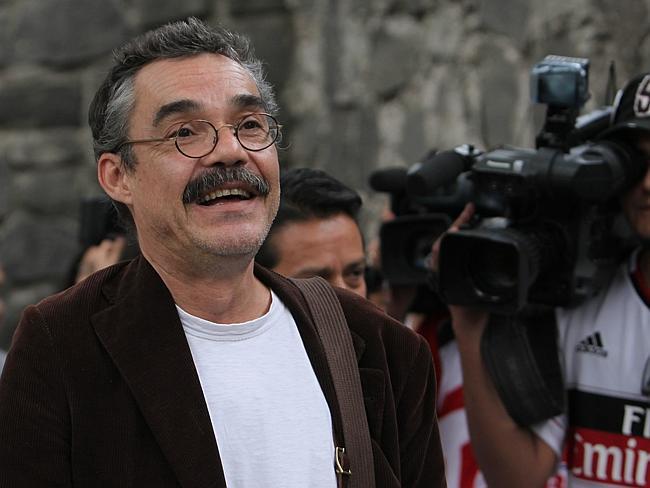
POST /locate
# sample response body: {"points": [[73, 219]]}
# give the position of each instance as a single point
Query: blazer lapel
{"points": [[143, 335]]}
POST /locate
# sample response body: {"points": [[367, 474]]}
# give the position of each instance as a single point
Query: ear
{"points": [[114, 178]]}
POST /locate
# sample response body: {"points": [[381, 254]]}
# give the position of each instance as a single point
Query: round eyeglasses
{"points": [[198, 138]]}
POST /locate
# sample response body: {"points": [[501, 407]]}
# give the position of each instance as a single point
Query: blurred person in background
{"points": [[109, 251], [316, 232], [104, 237]]}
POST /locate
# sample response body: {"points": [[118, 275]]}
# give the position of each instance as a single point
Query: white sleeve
{"points": [[552, 432]]}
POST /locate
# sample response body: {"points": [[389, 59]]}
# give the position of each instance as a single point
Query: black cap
{"points": [[631, 108]]}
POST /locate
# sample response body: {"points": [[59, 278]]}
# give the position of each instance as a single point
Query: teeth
{"points": [[224, 193]]}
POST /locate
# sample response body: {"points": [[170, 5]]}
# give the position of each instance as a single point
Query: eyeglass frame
{"points": [[235, 128]]}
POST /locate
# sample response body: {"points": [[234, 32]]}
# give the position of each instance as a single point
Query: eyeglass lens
{"points": [[197, 138]]}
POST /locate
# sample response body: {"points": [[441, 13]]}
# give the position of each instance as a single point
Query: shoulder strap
{"points": [[334, 334]]}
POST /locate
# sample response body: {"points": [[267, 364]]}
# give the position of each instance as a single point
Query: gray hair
{"points": [[112, 105]]}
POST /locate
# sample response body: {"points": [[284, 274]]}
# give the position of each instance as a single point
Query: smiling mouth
{"points": [[228, 194], [219, 185]]}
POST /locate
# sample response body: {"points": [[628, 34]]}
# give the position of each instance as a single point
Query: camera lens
{"points": [[492, 267]]}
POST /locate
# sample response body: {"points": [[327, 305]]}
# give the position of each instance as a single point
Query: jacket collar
{"points": [[143, 335]]}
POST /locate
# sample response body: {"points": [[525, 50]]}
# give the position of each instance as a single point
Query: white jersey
{"points": [[605, 348], [270, 417], [461, 467]]}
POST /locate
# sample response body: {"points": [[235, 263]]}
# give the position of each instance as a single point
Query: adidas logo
{"points": [[593, 344]]}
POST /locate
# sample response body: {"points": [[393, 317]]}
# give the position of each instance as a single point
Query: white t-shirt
{"points": [[270, 417], [605, 347]]}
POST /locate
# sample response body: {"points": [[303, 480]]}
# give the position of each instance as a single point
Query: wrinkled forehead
{"points": [[203, 82]]}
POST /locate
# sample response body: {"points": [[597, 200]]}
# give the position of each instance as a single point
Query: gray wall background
{"points": [[363, 84]]}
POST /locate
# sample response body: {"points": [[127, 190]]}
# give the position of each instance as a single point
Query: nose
{"points": [[227, 150]]}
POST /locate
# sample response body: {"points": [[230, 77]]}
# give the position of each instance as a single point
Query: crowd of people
{"points": [[195, 360]]}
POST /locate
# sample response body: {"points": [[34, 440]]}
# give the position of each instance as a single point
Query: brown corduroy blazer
{"points": [[99, 390]]}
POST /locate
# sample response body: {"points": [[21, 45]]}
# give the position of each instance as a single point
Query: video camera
{"points": [[543, 226]]}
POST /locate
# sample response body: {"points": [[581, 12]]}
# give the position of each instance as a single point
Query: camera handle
{"points": [[520, 353]]}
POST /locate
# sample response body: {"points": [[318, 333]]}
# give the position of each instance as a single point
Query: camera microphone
{"points": [[438, 169], [389, 180]]}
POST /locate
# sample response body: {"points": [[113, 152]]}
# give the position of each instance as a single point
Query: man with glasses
{"points": [[189, 366]]}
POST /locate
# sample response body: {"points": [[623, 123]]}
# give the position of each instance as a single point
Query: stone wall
{"points": [[363, 84]]}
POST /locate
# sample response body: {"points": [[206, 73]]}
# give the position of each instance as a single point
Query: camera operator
{"points": [[604, 347]]}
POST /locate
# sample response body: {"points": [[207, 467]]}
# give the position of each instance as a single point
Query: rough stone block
{"points": [[67, 32], [273, 40], [414, 6], [396, 58], [449, 97], [415, 142], [353, 146], [563, 28], [5, 36], [444, 32], [43, 149], [40, 100], [254, 7], [37, 249], [156, 12], [304, 142], [499, 93], [626, 40], [509, 17], [49, 191]]}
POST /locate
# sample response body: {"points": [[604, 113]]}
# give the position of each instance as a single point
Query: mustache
{"points": [[218, 176]]}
